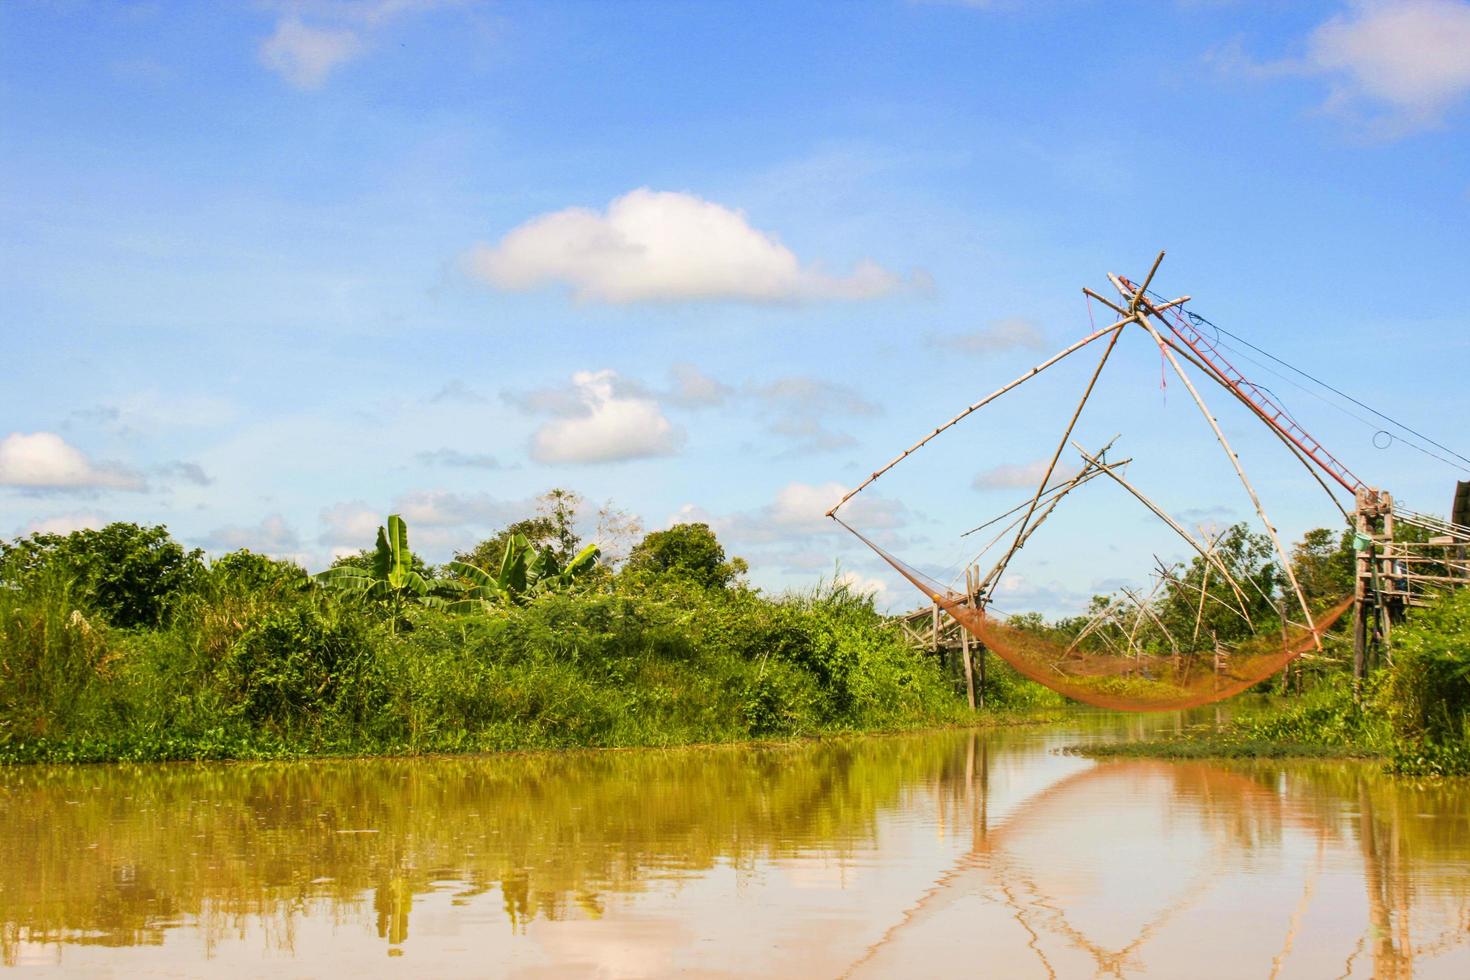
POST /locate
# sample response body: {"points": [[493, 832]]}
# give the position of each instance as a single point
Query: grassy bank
{"points": [[137, 650], [1413, 713]]}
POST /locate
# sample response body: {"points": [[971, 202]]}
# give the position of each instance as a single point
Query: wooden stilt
{"points": [[965, 641]]}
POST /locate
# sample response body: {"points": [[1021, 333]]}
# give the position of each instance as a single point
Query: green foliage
{"points": [[554, 528], [1427, 688], [525, 572], [686, 551], [128, 574], [254, 662], [392, 582], [1324, 569], [302, 664]]}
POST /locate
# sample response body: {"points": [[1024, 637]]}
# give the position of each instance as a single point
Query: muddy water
{"points": [[936, 855]]}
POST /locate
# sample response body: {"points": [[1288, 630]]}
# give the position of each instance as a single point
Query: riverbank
{"points": [[117, 645]]}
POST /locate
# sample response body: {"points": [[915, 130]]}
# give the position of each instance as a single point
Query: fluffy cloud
{"points": [[661, 246], [441, 508], [600, 420], [45, 461], [439, 521], [799, 510], [272, 536], [865, 585], [1413, 55], [1027, 476], [1408, 58], [304, 56], [349, 526], [799, 408], [66, 523], [692, 388], [1015, 333]]}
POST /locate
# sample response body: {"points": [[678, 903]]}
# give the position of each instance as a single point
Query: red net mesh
{"points": [[1130, 681]]}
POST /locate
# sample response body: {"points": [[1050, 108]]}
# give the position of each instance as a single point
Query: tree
{"points": [[686, 551], [392, 581], [1324, 568], [1249, 559], [131, 575], [524, 572], [554, 527]]}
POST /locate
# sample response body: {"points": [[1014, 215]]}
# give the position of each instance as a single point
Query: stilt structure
{"points": [[1402, 558]]}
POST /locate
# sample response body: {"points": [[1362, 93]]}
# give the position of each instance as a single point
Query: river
{"points": [[942, 854]]}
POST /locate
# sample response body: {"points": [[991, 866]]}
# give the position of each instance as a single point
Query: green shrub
{"points": [[301, 663], [128, 574]]}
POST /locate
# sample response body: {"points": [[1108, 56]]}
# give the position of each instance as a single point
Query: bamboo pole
{"points": [[1063, 485], [1025, 535], [965, 644], [1061, 445], [1211, 373], [1178, 528], [1239, 470], [1195, 588], [1074, 348], [1148, 609]]}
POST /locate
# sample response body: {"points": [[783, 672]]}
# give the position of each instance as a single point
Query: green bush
{"points": [[300, 664], [128, 574]]}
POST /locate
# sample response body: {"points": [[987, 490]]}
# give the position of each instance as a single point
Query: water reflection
{"points": [[862, 857]]}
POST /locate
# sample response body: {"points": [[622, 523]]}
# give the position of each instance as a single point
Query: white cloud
{"points": [[1408, 58], [799, 510], [1413, 55], [603, 421], [350, 525], [692, 388], [85, 520], [799, 407], [442, 508], [1020, 475], [304, 56], [272, 536], [1014, 333], [45, 461], [865, 585], [662, 246]]}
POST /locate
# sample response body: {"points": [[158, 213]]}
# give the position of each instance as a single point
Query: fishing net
{"points": [[1123, 654], [1129, 680]]}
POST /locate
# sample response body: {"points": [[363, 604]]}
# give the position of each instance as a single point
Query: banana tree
{"points": [[524, 573], [392, 579]]}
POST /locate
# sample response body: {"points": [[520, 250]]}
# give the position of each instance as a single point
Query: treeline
{"points": [[120, 643]]}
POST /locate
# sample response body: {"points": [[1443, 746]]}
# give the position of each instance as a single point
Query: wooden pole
{"points": [[965, 642], [1061, 445], [1363, 571], [1239, 471], [1168, 573], [1211, 373], [1074, 348], [988, 582], [1208, 556]]}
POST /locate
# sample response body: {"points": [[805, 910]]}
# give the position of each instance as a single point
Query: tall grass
{"points": [[250, 664]]}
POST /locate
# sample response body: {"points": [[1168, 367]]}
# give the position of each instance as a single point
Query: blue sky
{"points": [[269, 271]]}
